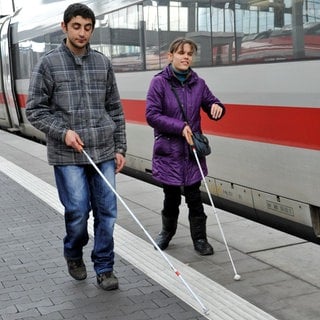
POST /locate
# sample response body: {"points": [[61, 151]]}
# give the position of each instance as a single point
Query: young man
{"points": [[73, 98], [173, 164]]}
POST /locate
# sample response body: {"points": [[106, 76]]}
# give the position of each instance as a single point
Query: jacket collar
{"points": [[77, 59], [168, 74]]}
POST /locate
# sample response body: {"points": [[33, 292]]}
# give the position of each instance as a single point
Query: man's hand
{"points": [[73, 140], [120, 162]]}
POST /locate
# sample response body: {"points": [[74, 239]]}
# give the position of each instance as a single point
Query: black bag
{"points": [[201, 144]]}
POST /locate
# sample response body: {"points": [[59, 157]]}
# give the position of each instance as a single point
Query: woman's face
{"points": [[182, 59]]}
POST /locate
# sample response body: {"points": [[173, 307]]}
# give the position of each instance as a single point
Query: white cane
{"points": [[236, 275], [204, 309]]}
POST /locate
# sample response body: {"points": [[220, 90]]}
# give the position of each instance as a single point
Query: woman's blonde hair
{"points": [[177, 43]]}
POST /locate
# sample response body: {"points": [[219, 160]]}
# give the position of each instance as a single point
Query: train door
{"points": [[9, 112]]}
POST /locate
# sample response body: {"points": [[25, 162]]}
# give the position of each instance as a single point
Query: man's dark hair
{"points": [[78, 9]]}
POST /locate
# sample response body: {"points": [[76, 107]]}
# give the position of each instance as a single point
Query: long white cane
{"points": [[236, 275], [204, 309]]}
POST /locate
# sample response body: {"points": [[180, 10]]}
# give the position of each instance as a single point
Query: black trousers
{"points": [[172, 201], [170, 212]]}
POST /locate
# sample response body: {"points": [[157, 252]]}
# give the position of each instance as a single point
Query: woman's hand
{"points": [[216, 111], [187, 133]]}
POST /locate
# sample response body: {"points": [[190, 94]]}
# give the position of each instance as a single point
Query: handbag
{"points": [[200, 141], [201, 144]]}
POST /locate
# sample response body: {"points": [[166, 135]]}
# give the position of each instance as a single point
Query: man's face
{"points": [[78, 31]]}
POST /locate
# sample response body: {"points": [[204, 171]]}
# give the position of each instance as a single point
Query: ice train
{"points": [[265, 163]]}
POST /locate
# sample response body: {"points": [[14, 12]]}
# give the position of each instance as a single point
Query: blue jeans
{"points": [[81, 189]]}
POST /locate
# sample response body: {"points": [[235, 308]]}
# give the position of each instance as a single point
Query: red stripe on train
{"points": [[289, 126], [2, 101]]}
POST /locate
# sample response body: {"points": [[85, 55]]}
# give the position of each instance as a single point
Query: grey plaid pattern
{"points": [[81, 94]]}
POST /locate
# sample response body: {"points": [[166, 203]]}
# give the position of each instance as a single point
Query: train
{"points": [[265, 160]]}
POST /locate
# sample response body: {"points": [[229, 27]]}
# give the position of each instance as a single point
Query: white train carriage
{"points": [[260, 59]]}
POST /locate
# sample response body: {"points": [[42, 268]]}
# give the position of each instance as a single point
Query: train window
{"points": [[227, 32], [232, 32], [271, 31], [178, 10], [53, 39], [117, 35], [26, 54]]}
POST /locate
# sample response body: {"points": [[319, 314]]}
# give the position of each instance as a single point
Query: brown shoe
{"points": [[77, 269], [107, 281]]}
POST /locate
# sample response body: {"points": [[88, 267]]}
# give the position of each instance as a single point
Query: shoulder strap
{"points": [[179, 102]]}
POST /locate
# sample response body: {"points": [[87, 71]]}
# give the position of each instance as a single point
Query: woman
{"points": [[173, 164]]}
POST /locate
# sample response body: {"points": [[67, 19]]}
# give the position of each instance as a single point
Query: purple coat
{"points": [[173, 163]]}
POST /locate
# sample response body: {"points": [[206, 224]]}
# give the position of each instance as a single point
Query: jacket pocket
{"points": [[162, 145]]}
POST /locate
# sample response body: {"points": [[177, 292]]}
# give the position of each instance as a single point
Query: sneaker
{"points": [[203, 247], [107, 281], [77, 269]]}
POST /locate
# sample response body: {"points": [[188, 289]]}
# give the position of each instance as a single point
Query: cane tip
{"points": [[237, 277]]}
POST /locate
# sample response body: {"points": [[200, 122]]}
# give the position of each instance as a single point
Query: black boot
{"points": [[203, 247], [169, 227], [163, 239], [199, 236]]}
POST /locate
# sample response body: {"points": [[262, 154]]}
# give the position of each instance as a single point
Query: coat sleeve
{"points": [[208, 100], [114, 108], [38, 110]]}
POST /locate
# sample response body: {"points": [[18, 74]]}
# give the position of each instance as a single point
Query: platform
{"points": [[279, 272]]}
